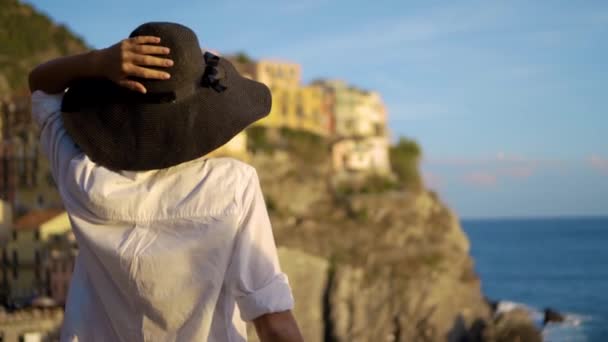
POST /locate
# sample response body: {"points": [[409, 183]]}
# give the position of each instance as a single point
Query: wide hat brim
{"points": [[122, 130]]}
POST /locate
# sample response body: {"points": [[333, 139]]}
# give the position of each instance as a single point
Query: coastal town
{"points": [[38, 247]]}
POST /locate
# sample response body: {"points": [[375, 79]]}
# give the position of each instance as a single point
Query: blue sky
{"points": [[507, 98]]}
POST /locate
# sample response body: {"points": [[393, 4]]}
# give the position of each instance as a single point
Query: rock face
{"points": [[398, 262], [308, 278], [553, 316], [515, 325]]}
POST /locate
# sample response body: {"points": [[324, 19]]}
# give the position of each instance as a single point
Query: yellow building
{"points": [[22, 273], [276, 74], [293, 105], [310, 111], [283, 110]]}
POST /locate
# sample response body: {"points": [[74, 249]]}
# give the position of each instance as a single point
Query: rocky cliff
{"points": [[393, 265]]}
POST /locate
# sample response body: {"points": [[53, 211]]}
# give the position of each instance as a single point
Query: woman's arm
{"points": [[126, 58], [278, 327]]}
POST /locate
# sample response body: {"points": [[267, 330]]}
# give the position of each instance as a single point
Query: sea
{"points": [[558, 263]]}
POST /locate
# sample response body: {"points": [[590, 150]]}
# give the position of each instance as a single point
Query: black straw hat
{"points": [[204, 105]]}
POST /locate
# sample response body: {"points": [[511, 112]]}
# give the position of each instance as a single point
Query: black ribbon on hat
{"points": [[212, 74]]}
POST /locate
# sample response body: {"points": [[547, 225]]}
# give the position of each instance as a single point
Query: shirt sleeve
{"points": [[55, 143], [254, 275]]}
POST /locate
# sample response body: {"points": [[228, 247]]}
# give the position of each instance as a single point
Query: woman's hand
{"points": [[132, 57]]}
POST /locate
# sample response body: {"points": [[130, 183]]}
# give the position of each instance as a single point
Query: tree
{"points": [[405, 159]]}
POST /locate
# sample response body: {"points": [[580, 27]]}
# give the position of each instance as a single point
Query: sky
{"points": [[508, 99]]}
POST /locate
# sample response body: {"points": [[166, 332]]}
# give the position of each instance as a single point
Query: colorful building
{"points": [[311, 111], [361, 155], [278, 74], [361, 140], [23, 272], [31, 325], [357, 112], [293, 105], [60, 258]]}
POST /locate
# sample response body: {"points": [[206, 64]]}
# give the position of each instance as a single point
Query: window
{"points": [[379, 129], [349, 124], [284, 108], [15, 264], [37, 265]]}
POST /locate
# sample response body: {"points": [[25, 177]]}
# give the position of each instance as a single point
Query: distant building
{"points": [[60, 258], [276, 74], [370, 116], [294, 106], [23, 170], [361, 141], [328, 104], [357, 112], [8, 172], [361, 155], [31, 325], [283, 80], [311, 113], [23, 273]]}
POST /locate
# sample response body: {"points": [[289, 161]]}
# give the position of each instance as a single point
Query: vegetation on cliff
{"points": [[405, 157], [28, 38]]}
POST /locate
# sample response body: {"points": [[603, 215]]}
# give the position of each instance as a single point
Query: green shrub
{"points": [[305, 146], [371, 184], [405, 157], [257, 139], [375, 183], [242, 57]]}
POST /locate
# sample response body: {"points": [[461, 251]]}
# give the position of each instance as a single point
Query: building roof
{"points": [[36, 218]]}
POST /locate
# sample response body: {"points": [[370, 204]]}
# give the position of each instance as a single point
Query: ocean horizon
{"points": [[546, 262]]}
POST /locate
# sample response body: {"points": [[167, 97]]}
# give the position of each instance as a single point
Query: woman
{"points": [[172, 246]]}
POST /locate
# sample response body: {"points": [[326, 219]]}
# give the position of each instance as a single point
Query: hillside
{"points": [[373, 263], [27, 38]]}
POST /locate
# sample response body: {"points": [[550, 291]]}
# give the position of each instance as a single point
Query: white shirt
{"points": [[165, 255]]}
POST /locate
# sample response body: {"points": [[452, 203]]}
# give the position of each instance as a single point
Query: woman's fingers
{"points": [[150, 50], [145, 40], [137, 55], [138, 71], [151, 61], [133, 85]]}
